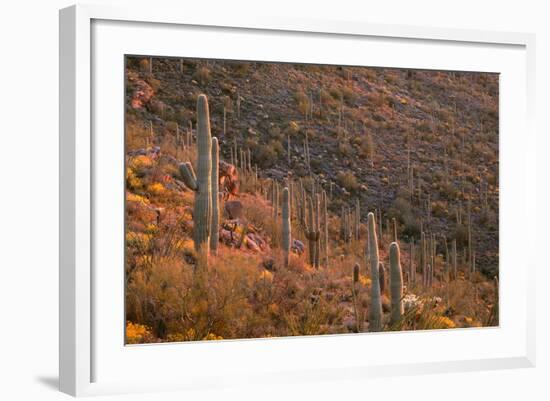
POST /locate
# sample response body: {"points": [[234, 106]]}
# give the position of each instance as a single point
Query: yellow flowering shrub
{"points": [[266, 275], [156, 189], [364, 280], [211, 337], [141, 162], [131, 197], [136, 239], [445, 323], [138, 333], [132, 180]]}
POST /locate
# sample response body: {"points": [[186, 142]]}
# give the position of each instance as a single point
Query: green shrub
{"points": [[347, 180]]}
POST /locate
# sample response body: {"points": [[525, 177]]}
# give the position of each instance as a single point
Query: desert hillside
{"points": [[418, 149]]}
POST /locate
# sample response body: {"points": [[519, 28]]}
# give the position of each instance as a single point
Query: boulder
{"points": [[297, 246], [229, 180], [233, 209], [251, 244], [143, 92], [257, 240]]}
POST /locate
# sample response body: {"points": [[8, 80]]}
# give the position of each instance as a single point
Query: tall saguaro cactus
{"points": [[396, 284], [202, 182], [324, 222], [375, 310], [454, 260], [316, 199], [423, 261], [412, 269], [286, 224], [215, 223]]}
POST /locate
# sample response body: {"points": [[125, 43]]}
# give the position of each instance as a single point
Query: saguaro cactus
{"points": [[286, 224], [394, 227], [357, 219], [423, 261], [215, 223], [396, 284], [312, 232], [454, 259], [324, 222], [412, 269], [375, 310], [202, 182], [355, 297], [318, 230]]}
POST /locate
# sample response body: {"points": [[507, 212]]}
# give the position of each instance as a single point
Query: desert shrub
{"points": [[423, 315], [184, 115], [138, 334], [376, 99], [144, 65], [327, 99], [202, 75], [155, 83], [365, 145], [335, 93], [269, 153], [241, 68], [308, 318], [389, 78], [447, 190], [461, 234], [345, 149], [292, 128], [277, 146], [439, 209], [423, 126], [275, 132], [402, 211], [157, 107], [349, 95], [140, 164], [348, 180], [302, 101]]}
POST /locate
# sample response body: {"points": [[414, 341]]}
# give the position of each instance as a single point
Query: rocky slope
{"points": [[365, 128]]}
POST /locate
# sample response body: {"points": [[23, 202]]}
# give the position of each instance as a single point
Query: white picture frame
{"points": [[91, 361]]}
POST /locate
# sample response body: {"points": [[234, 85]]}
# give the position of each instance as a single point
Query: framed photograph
{"points": [[273, 200]]}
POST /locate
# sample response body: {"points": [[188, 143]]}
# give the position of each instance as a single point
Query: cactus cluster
{"points": [[350, 223], [311, 212], [312, 230]]}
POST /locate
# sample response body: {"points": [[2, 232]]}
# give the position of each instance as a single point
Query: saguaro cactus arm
{"points": [[188, 175]]}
